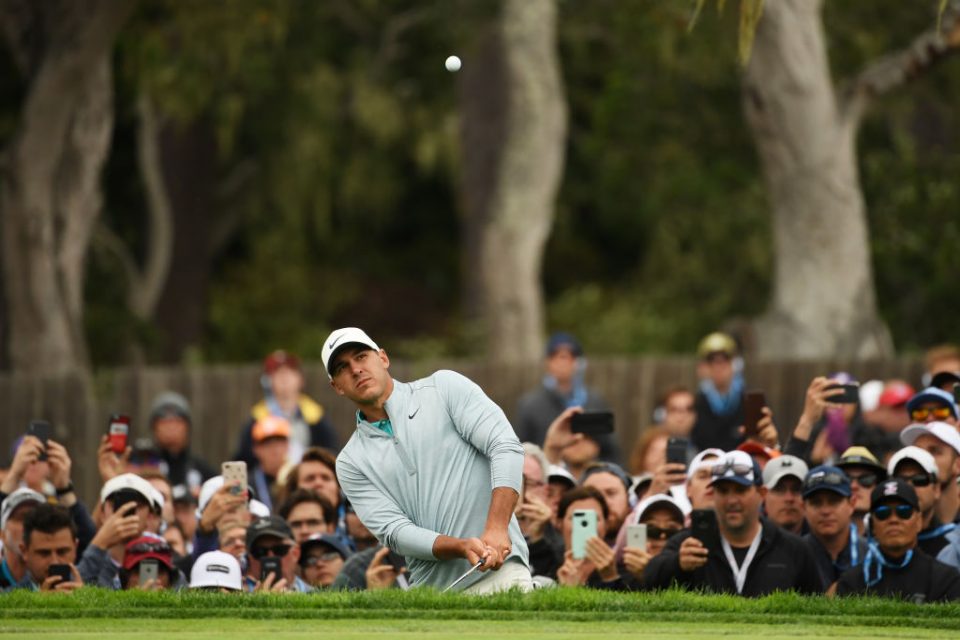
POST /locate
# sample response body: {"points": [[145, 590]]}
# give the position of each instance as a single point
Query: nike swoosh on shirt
{"points": [[410, 417]]}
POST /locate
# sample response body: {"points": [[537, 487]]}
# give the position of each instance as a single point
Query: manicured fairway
{"points": [[150, 629], [426, 615]]}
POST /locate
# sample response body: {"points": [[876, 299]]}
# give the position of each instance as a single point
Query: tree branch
{"points": [[897, 68]]}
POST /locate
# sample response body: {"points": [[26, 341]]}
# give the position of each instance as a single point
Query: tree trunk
{"points": [[513, 138], [50, 195], [824, 301]]}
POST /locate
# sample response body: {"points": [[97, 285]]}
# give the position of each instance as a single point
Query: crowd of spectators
{"points": [[860, 496]]}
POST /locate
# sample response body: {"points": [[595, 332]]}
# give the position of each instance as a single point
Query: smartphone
{"points": [[753, 403], [637, 536], [850, 393], [149, 570], [396, 560], [118, 432], [584, 528], [40, 429], [677, 450], [596, 423], [268, 565], [703, 525], [235, 472], [62, 570]]}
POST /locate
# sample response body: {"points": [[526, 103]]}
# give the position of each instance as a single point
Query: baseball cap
{"points": [[607, 467], [739, 467], [216, 569], [918, 455], [563, 339], [169, 403], [860, 457], [21, 496], [941, 430], [944, 378], [558, 473], [933, 394], [870, 392], [659, 500], [781, 467], [146, 547], [896, 393], [324, 539], [717, 342], [270, 426], [341, 338], [280, 358], [894, 488], [129, 482], [268, 526], [700, 460], [827, 478]]}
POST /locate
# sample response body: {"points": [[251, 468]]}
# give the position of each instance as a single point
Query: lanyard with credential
{"points": [[854, 543], [740, 573]]}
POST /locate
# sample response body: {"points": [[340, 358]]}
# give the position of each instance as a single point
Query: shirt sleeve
{"points": [[383, 516], [483, 424]]}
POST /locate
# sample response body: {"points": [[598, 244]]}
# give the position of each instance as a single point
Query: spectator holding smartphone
{"points": [[272, 557], [50, 543], [598, 568], [14, 510], [663, 518], [753, 557], [155, 553]]}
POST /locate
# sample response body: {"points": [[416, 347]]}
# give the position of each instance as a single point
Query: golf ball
{"points": [[452, 63]]}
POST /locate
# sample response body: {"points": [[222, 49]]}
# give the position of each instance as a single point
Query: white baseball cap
{"points": [[781, 467], [210, 487], [700, 460], [341, 338], [944, 432], [216, 569], [21, 496], [130, 482], [918, 455], [659, 499]]}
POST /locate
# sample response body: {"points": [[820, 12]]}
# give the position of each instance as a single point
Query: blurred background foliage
{"points": [[337, 147]]}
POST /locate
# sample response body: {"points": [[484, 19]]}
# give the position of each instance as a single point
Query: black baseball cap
{"points": [[268, 526], [894, 488]]}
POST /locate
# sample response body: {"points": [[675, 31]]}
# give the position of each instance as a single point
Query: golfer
{"points": [[433, 469]]}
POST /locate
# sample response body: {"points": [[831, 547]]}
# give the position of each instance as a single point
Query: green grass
{"points": [[578, 613]]}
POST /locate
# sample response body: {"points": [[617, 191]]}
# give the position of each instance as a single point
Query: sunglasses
{"points": [[904, 511], [865, 480], [832, 479], [657, 533], [737, 468], [150, 547], [312, 561], [922, 413], [277, 551], [918, 480]]}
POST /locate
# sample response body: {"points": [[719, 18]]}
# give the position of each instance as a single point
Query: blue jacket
{"points": [[451, 447]]}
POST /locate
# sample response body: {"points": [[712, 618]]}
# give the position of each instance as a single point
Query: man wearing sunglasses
{"points": [[918, 468], [933, 405], [268, 539], [864, 471], [894, 566], [942, 441], [828, 506], [747, 556], [433, 469]]}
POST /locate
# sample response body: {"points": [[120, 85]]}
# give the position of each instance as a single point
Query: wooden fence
{"points": [[221, 397]]}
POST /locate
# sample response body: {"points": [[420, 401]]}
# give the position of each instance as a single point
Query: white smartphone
{"points": [[637, 536], [235, 472], [584, 528], [149, 570]]}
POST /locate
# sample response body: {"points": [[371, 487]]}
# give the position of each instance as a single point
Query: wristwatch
{"points": [[67, 489]]}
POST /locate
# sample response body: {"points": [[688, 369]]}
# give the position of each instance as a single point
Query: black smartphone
{"points": [[269, 565], [753, 403], [595, 423], [396, 560], [62, 570], [703, 526], [40, 429], [677, 451], [850, 393]]}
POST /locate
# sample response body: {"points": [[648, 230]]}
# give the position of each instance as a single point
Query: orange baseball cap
{"points": [[270, 427]]}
